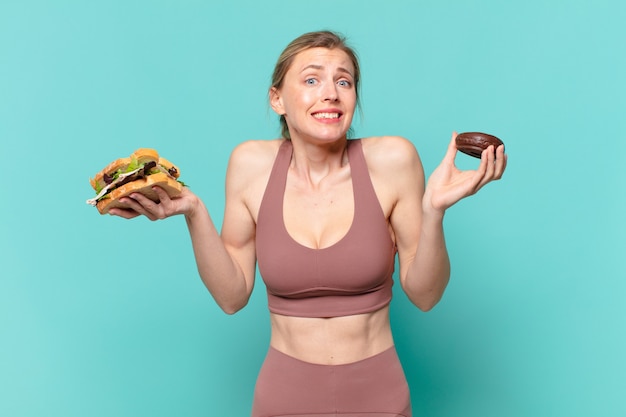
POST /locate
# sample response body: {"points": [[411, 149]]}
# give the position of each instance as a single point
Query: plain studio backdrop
{"points": [[105, 317]]}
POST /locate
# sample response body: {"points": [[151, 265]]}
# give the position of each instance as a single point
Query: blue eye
{"points": [[310, 81], [344, 83]]}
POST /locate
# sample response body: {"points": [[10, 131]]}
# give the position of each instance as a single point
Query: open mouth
{"points": [[327, 115]]}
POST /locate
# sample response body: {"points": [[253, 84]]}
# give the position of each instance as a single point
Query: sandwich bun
{"points": [[139, 173], [142, 186]]}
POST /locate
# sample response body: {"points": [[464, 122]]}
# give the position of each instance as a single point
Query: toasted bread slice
{"points": [[139, 157], [170, 167], [144, 186]]}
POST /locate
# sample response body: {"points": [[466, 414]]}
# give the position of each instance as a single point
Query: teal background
{"points": [[105, 317]]}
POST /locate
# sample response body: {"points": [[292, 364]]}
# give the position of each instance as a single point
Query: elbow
{"points": [[425, 300], [233, 307], [230, 311], [425, 297], [230, 301], [426, 306]]}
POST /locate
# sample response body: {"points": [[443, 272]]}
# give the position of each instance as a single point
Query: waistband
{"points": [[381, 356]]}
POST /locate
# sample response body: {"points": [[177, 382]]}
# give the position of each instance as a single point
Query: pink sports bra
{"points": [[353, 276]]}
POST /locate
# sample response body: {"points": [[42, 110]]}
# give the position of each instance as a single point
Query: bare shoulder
{"points": [[248, 172], [391, 154], [252, 159], [254, 154], [395, 169]]}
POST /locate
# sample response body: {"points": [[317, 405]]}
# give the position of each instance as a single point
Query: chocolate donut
{"points": [[474, 143]]}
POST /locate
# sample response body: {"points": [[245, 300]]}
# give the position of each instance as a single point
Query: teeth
{"points": [[326, 115]]}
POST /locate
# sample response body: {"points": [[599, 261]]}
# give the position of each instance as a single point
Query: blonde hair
{"points": [[320, 39]]}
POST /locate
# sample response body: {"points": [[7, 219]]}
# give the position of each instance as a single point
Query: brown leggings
{"points": [[372, 387]]}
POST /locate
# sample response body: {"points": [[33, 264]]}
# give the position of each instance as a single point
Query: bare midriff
{"points": [[332, 341]]}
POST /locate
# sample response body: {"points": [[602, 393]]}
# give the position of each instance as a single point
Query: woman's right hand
{"points": [[186, 203], [448, 184]]}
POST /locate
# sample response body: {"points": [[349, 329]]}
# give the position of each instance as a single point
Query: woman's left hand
{"points": [[447, 184], [138, 205]]}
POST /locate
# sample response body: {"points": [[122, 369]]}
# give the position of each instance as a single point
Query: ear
{"points": [[276, 101]]}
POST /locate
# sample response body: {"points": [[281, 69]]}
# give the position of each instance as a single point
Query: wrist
{"points": [[431, 214], [194, 207]]}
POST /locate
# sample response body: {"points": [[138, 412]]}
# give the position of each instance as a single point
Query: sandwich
{"points": [[139, 173]]}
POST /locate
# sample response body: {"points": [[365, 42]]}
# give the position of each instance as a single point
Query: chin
{"points": [[333, 135]]}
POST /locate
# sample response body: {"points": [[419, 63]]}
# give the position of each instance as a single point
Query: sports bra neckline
{"points": [[345, 236]]}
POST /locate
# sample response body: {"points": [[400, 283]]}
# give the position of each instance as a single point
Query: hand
{"points": [[447, 184], [139, 205]]}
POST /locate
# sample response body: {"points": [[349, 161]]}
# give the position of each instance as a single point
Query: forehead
{"points": [[322, 57]]}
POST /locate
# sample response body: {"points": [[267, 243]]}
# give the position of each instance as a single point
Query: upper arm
{"points": [[242, 194], [402, 175]]}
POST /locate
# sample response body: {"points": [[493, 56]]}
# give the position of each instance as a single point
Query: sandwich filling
{"points": [[133, 172]]}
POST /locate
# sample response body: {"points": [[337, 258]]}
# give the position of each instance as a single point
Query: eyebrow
{"points": [[320, 67]]}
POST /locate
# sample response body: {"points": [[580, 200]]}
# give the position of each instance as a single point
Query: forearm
{"points": [[218, 270], [428, 274]]}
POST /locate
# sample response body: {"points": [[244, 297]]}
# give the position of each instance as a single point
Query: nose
{"points": [[330, 92]]}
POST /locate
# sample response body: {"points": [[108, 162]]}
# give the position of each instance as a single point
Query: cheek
{"points": [[306, 96], [351, 98], [300, 101]]}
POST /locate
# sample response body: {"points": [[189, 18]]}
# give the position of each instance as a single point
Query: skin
{"points": [[318, 208]]}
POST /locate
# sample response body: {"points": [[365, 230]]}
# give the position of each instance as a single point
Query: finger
{"points": [[166, 206], [501, 161], [485, 170], [164, 197], [491, 159], [141, 204], [496, 163], [452, 150], [124, 213], [142, 199]]}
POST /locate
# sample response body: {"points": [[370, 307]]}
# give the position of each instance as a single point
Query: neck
{"points": [[314, 162]]}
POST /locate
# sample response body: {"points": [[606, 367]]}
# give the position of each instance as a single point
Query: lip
{"points": [[330, 110]]}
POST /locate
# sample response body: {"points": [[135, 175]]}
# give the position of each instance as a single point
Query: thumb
{"points": [[451, 152]]}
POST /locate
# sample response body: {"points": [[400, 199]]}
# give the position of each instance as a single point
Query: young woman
{"points": [[325, 216]]}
